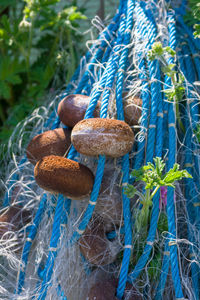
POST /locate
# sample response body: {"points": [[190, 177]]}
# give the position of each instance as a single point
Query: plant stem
{"points": [[154, 192], [144, 214], [176, 100]]}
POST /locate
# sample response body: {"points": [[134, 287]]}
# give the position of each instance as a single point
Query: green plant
{"points": [[154, 177], [39, 44], [176, 92], [193, 16], [197, 132]]}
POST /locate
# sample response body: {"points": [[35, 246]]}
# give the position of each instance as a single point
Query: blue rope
{"points": [[29, 240], [170, 191], [191, 194], [149, 156], [125, 163]]}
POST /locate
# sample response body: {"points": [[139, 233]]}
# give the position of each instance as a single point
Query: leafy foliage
{"points": [[32, 34], [197, 132], [193, 16], [154, 177], [177, 90], [152, 174], [158, 51]]}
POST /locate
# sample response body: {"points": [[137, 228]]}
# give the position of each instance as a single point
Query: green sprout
{"points": [[176, 92], [197, 132], [154, 177]]}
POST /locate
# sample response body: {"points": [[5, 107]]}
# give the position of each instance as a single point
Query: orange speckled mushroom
{"points": [[51, 142], [102, 137], [72, 109], [61, 175]]}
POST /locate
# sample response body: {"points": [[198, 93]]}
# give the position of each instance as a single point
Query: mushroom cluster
{"points": [[59, 175]]}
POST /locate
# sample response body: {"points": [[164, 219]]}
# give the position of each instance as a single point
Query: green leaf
{"points": [[77, 16], [160, 165], [138, 174], [169, 70], [197, 31], [130, 191], [156, 51], [14, 79], [6, 23], [197, 132], [5, 90], [162, 222], [170, 94], [170, 51], [174, 175]]}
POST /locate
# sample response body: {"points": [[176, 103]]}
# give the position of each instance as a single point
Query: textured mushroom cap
{"points": [[51, 142], [72, 109], [102, 137], [61, 175]]}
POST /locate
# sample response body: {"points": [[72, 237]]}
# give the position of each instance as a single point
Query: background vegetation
{"points": [[40, 46], [193, 16]]}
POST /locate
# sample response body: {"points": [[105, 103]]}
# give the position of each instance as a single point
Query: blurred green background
{"points": [[41, 42]]}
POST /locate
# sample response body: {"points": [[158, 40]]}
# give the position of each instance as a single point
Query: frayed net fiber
{"points": [[44, 257]]}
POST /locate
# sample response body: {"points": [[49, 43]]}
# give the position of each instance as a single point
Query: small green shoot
{"points": [[176, 92], [197, 132]]}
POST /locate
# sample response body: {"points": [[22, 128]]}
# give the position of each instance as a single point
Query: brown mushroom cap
{"points": [[102, 137], [61, 175], [72, 109], [51, 142]]}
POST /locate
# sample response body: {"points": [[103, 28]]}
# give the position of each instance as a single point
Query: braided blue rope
{"points": [[52, 248], [170, 191], [125, 163], [106, 37], [149, 156], [189, 31], [29, 240], [93, 198], [192, 198], [189, 194], [113, 67], [154, 74], [106, 81], [192, 147], [145, 96]]}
